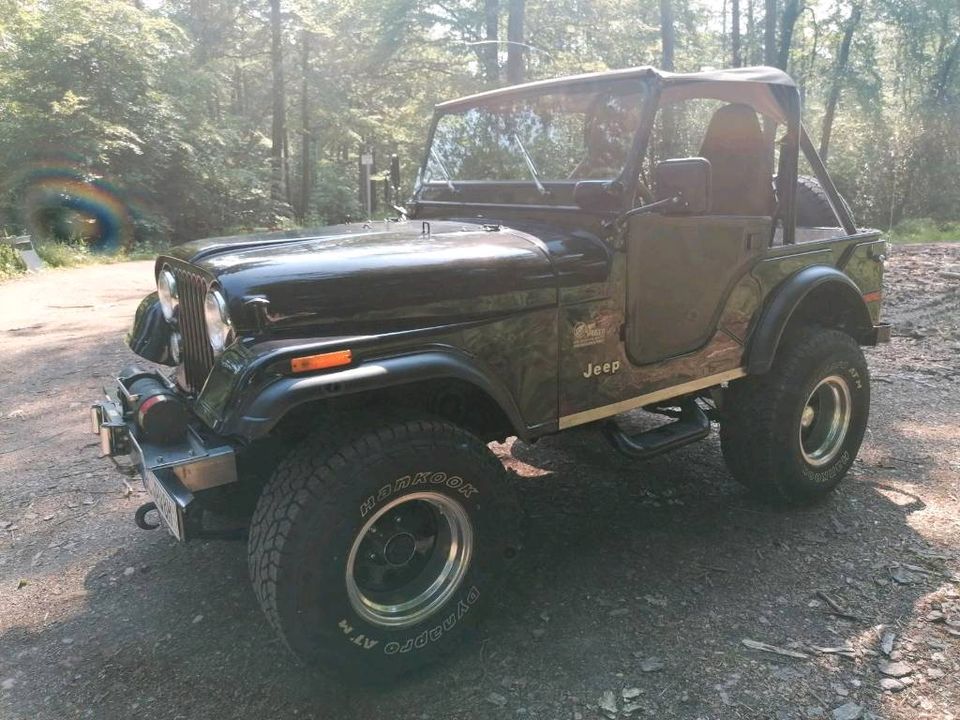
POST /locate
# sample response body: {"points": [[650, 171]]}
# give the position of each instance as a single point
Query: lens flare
{"points": [[55, 199]]}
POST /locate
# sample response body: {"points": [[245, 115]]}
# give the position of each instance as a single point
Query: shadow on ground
{"points": [[622, 562]]}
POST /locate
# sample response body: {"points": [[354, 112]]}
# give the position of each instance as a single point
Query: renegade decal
{"points": [[586, 334]]}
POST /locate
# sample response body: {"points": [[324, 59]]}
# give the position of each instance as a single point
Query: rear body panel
{"points": [[598, 377]]}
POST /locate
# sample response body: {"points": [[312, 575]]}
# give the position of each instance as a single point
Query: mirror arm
{"points": [[644, 209]]}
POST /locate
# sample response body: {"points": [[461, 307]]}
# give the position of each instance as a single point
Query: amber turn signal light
{"points": [[321, 361]]}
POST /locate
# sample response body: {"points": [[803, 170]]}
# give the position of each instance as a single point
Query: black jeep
{"points": [[573, 249]]}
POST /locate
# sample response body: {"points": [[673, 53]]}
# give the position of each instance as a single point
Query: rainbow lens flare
{"points": [[55, 199]]}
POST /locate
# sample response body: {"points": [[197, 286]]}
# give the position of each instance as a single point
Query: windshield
{"points": [[569, 134]]}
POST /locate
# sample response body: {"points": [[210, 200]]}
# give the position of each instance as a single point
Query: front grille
{"points": [[196, 353]]}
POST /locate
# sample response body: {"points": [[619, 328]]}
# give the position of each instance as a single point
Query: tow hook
{"points": [[140, 517], [198, 533]]}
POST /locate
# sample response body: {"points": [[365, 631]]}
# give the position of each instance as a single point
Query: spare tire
{"points": [[813, 205]]}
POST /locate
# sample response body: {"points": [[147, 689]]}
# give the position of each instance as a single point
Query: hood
{"points": [[378, 277]]}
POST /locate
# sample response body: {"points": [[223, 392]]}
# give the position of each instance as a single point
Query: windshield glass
{"points": [[559, 135]]}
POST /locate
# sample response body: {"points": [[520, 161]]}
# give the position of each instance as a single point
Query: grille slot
{"points": [[197, 355]]}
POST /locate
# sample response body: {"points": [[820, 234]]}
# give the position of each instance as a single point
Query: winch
{"points": [[158, 410]]}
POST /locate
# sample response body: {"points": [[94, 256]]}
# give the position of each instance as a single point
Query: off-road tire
{"points": [[813, 205], [762, 416], [313, 510]]}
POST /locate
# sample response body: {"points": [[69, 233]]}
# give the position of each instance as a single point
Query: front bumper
{"points": [[171, 473]]}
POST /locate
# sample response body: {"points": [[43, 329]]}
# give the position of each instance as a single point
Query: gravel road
{"points": [[633, 598]]}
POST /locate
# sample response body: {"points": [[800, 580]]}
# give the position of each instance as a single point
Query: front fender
{"points": [[150, 335], [846, 309], [259, 412]]}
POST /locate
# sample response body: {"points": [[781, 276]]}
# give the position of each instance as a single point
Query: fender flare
{"points": [[779, 310], [259, 414], [150, 335]]}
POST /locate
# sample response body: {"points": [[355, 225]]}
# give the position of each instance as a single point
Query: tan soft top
{"points": [[768, 90]]}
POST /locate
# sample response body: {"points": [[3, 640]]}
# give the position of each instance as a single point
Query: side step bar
{"points": [[691, 426]]}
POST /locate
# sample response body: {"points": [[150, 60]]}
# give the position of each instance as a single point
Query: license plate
{"points": [[166, 505]]}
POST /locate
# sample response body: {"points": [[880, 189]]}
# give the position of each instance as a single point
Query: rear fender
{"points": [[820, 294]]}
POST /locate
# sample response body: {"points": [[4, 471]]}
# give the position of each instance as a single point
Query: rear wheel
{"points": [[373, 552], [793, 433]]}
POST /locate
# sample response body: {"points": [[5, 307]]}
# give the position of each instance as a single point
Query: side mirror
{"points": [[395, 172], [687, 179]]}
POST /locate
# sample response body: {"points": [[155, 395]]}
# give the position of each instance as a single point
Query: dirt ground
{"points": [[636, 591]]}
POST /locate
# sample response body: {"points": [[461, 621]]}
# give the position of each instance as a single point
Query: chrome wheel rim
{"points": [[824, 420], [408, 559]]}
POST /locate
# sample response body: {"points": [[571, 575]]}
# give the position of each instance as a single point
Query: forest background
{"points": [[158, 121]]}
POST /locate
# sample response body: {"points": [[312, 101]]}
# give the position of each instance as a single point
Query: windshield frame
{"points": [[625, 181]]}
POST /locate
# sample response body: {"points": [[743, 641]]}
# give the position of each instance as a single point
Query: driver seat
{"points": [[741, 183]]}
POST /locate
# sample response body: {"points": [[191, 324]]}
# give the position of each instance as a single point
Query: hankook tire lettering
{"points": [[454, 482]]}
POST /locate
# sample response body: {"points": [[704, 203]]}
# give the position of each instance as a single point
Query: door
{"points": [[680, 270]]}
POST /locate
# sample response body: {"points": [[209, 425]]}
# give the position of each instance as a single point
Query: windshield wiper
{"points": [[530, 166], [443, 169]]}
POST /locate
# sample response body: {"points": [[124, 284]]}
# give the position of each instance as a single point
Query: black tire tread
{"points": [[751, 406], [813, 205], [313, 466]]}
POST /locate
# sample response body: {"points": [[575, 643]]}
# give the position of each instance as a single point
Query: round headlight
{"points": [[219, 328], [167, 292]]}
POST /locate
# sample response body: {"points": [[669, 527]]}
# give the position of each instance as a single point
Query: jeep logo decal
{"points": [[607, 368]]}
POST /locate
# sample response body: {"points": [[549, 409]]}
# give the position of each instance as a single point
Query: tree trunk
{"points": [[723, 32], [735, 33], [278, 128], [790, 14], [306, 165], [515, 41], [751, 35], [769, 59], [840, 71], [667, 42], [943, 75], [667, 34], [770, 32], [287, 196], [491, 51], [237, 90], [199, 15]]}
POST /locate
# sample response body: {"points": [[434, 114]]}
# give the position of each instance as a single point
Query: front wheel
{"points": [[793, 433], [373, 551]]}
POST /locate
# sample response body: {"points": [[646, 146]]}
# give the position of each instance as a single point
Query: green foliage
{"points": [[925, 230], [10, 262], [76, 252], [335, 199], [56, 254], [153, 124]]}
